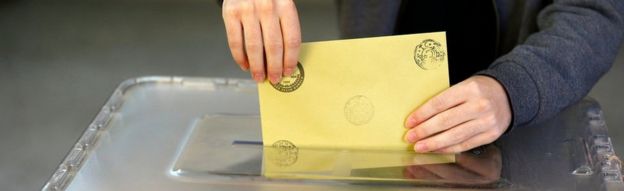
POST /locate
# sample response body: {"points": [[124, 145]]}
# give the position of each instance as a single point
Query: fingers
{"points": [[441, 102], [273, 46], [469, 114], [264, 36], [291, 32], [441, 122], [478, 140], [453, 136], [254, 47], [234, 32]]}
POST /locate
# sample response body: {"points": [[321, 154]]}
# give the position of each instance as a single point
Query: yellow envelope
{"points": [[356, 93]]}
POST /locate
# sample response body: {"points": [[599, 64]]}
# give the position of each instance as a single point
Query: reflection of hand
{"points": [[469, 114], [263, 29], [469, 168]]}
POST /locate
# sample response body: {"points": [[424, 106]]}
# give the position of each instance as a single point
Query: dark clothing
{"points": [[471, 31], [548, 54]]}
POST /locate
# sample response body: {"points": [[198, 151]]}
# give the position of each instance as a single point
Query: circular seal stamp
{"points": [[359, 110], [292, 82], [429, 54], [284, 153]]}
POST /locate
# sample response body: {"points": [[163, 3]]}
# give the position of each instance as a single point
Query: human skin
{"points": [[259, 30], [469, 114]]}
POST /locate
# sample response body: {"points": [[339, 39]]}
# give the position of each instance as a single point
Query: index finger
{"points": [[449, 98]]}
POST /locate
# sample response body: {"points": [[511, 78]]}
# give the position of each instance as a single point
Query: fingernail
{"points": [[420, 147], [275, 78], [410, 137], [259, 77], [410, 122], [244, 68], [288, 71]]}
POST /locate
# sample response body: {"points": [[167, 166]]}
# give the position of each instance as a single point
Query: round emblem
{"points": [[284, 153], [359, 110], [429, 54], [292, 82]]}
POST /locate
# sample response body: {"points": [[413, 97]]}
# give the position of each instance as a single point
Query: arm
{"points": [[555, 67]]}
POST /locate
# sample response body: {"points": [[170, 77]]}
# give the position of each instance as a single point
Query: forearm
{"points": [[555, 67]]}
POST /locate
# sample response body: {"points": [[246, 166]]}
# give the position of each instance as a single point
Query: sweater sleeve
{"points": [[576, 43]]}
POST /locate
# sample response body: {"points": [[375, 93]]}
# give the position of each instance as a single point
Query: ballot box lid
{"points": [[185, 133]]}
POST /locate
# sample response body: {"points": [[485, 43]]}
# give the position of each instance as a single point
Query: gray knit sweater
{"points": [[574, 44], [553, 51]]}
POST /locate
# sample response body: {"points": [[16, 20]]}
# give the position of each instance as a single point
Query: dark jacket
{"points": [[549, 54]]}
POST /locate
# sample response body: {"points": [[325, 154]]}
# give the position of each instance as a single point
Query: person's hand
{"points": [[259, 30], [471, 113]]}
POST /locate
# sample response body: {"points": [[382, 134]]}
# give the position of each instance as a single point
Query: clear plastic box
{"points": [[179, 133]]}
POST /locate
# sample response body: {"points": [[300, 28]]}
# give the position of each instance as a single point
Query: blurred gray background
{"points": [[60, 61]]}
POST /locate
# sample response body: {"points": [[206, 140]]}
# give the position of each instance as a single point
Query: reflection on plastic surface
{"points": [[470, 170], [226, 148], [302, 163]]}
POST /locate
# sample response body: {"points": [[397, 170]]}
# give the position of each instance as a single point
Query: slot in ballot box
{"points": [[182, 133]]}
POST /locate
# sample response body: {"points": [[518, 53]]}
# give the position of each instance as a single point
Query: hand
{"points": [[469, 168], [259, 30], [471, 113]]}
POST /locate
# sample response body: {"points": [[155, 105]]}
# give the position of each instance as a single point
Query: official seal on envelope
{"points": [[292, 82], [429, 54]]}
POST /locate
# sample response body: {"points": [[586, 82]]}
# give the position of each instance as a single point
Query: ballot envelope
{"points": [[345, 106], [354, 93], [185, 133]]}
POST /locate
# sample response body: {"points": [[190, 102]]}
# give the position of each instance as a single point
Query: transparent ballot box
{"points": [[187, 134]]}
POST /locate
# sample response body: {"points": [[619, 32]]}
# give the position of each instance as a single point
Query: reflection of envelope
{"points": [[355, 93], [337, 163]]}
